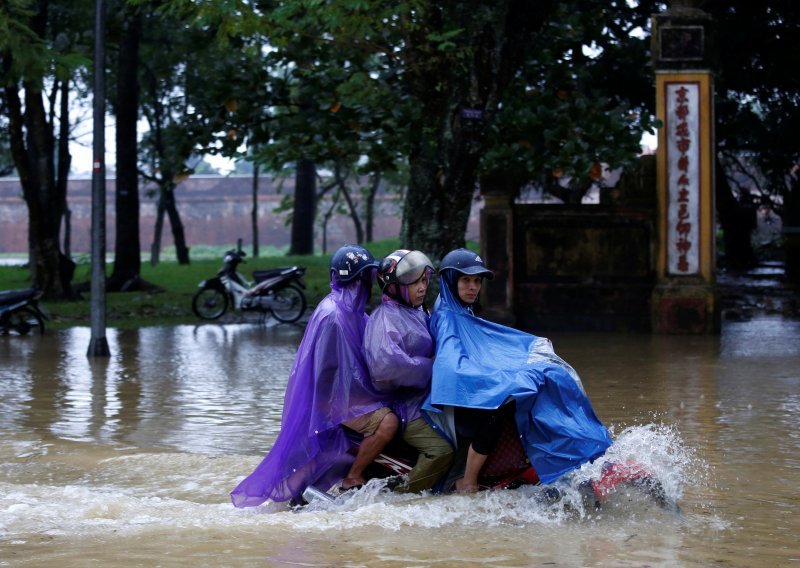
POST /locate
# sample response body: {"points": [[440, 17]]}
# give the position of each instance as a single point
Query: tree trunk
{"points": [[460, 96], [351, 206], [68, 233], [369, 206], [52, 271], [254, 213], [791, 225], [327, 217], [127, 243], [437, 204], [737, 221], [178, 236], [158, 230], [305, 190], [32, 146], [64, 162]]}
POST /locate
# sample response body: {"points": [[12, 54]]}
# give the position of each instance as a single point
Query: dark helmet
{"points": [[465, 261], [349, 261], [403, 267]]}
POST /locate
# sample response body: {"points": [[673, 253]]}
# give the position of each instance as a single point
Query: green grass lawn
{"points": [[173, 305]]}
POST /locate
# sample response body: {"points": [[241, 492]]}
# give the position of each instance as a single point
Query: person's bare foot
{"points": [[352, 483], [464, 487]]}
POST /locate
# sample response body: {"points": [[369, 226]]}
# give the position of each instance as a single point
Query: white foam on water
{"points": [[138, 492], [659, 449]]}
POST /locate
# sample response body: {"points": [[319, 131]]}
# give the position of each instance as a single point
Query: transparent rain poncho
{"points": [[480, 364], [328, 384], [399, 353]]}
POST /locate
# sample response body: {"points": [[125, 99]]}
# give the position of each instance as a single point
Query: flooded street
{"points": [[129, 461]]}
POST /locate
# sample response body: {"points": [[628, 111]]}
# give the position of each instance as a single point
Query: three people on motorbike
{"points": [[330, 388], [378, 375]]}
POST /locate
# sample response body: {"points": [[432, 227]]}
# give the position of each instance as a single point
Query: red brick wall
{"points": [[214, 210]]}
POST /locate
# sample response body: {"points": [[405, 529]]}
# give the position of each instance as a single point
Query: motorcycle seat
{"points": [[13, 296], [261, 275]]}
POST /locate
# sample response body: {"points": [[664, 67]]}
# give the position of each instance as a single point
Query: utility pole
{"points": [[98, 345]]}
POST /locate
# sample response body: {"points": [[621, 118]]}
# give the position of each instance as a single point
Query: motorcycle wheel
{"points": [[209, 303], [23, 321], [288, 304]]}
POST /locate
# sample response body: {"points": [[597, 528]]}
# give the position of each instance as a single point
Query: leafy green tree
{"points": [[320, 122], [463, 57], [179, 65], [40, 51], [299, 104], [578, 104], [442, 84], [757, 119]]}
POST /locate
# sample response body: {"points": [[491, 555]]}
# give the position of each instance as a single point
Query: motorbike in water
{"points": [[507, 467], [20, 312], [277, 291]]}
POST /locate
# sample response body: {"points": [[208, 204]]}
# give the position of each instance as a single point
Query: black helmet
{"points": [[349, 261], [403, 267], [465, 261]]}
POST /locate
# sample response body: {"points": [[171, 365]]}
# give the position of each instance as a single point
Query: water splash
{"points": [[133, 493], [655, 448]]}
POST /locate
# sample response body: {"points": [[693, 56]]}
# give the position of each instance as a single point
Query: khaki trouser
{"points": [[367, 424], [435, 456]]}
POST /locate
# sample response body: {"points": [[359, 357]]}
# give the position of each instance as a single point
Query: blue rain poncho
{"points": [[480, 364], [328, 384]]}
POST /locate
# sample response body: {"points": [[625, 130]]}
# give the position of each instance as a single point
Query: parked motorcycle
{"points": [[20, 312], [278, 291]]}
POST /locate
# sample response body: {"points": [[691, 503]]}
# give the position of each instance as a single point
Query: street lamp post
{"points": [[98, 345]]}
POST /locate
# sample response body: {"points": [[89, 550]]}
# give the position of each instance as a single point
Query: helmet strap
{"points": [[398, 293]]}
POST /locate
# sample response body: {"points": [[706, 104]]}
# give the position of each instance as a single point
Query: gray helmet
{"points": [[465, 261], [349, 261], [403, 267]]}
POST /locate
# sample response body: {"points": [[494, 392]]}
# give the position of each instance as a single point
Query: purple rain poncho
{"points": [[328, 384], [399, 352], [480, 364]]}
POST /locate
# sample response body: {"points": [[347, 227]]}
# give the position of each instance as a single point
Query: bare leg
{"points": [[370, 447], [469, 483]]}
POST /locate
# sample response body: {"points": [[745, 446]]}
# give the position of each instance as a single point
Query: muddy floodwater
{"points": [[128, 461]]}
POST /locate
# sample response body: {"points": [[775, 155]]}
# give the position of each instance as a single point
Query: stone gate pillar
{"points": [[684, 299], [496, 242]]}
